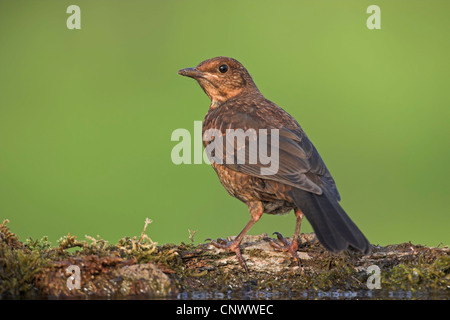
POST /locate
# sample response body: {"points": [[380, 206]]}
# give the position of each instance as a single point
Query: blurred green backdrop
{"points": [[86, 115]]}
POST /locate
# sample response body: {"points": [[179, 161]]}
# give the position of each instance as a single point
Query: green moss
{"points": [[18, 268], [38, 245], [420, 276], [194, 268]]}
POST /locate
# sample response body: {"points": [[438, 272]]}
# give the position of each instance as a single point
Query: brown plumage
{"points": [[302, 182]]}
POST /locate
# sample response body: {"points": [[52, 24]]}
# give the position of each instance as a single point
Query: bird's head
{"points": [[221, 78]]}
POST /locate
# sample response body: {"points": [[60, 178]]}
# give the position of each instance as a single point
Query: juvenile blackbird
{"points": [[302, 182]]}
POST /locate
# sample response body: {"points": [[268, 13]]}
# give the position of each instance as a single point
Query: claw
{"points": [[222, 241], [231, 246], [276, 246], [286, 246], [281, 238]]}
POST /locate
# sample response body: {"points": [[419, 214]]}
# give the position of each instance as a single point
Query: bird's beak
{"points": [[190, 72]]}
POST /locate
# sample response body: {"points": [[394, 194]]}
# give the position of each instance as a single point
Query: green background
{"points": [[86, 116]]}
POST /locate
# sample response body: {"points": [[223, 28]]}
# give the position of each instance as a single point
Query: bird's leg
{"points": [[256, 211], [292, 246]]}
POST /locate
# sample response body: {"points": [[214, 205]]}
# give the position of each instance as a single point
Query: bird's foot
{"points": [[231, 246], [286, 246]]}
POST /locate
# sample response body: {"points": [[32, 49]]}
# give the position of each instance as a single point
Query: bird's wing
{"points": [[297, 164]]}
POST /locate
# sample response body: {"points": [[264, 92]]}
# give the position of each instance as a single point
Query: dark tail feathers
{"points": [[333, 227]]}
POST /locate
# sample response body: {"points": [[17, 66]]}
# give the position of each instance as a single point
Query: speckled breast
{"points": [[248, 189]]}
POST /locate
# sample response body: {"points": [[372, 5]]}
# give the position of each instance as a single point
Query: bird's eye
{"points": [[223, 68]]}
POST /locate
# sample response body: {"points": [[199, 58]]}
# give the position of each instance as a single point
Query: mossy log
{"points": [[138, 268]]}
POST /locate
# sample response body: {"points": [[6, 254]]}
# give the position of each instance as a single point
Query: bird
{"points": [[301, 181]]}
